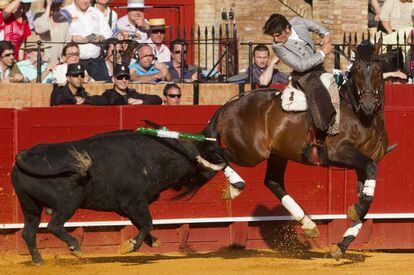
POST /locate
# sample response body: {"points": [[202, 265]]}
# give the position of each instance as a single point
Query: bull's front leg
{"points": [[140, 216]]}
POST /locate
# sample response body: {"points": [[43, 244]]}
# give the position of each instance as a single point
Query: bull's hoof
{"points": [[352, 213], [231, 192], [311, 232], [336, 252], [76, 253], [156, 243], [38, 262], [127, 247]]}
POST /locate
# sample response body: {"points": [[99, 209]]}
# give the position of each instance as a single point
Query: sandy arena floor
{"points": [[225, 262]]}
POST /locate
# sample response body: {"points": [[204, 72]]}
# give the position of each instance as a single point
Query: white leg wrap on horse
{"points": [[354, 229], [293, 208], [307, 223], [232, 176], [369, 188]]}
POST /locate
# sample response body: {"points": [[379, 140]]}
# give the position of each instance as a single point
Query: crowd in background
{"points": [[90, 34]]}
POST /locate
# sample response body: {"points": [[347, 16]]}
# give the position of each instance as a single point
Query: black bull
{"points": [[119, 171]]}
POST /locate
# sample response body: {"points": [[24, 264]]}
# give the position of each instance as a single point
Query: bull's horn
{"points": [[209, 165]]}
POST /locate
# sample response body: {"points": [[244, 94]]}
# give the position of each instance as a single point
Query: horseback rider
{"points": [[292, 43]]}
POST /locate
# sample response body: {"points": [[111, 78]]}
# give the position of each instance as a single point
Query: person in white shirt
{"points": [[133, 25], [89, 27], [110, 15], [156, 41]]}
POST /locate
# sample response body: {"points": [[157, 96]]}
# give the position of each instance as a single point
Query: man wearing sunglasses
{"points": [[178, 58], [172, 94], [9, 72], [120, 94], [157, 29], [74, 92]]}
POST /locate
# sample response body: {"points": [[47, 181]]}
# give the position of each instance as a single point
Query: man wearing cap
{"points": [[120, 94], [73, 92], [133, 23], [89, 26], [157, 29]]}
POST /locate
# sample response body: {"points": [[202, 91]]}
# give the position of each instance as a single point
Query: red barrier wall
{"points": [[323, 193]]}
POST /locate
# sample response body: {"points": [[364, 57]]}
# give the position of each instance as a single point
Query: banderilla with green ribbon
{"points": [[165, 133]]}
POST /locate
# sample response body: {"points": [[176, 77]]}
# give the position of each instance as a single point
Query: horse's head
{"points": [[367, 78]]}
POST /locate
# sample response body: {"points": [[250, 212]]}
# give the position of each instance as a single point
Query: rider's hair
{"points": [[260, 48], [275, 24]]}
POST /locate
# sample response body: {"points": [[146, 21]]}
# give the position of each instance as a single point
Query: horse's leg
{"points": [[347, 155], [274, 180], [236, 185]]}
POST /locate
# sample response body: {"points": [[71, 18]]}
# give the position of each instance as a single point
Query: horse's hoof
{"points": [[231, 192], [76, 253], [352, 213], [336, 252], [127, 247], [156, 243], [311, 232]]}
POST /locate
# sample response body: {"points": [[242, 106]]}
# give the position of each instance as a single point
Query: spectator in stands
{"points": [[172, 94], [74, 92], [14, 22], [120, 94], [133, 25], [110, 15], [108, 52], [89, 26], [179, 50], [396, 15], [157, 29], [144, 70], [374, 13], [264, 72], [70, 55], [28, 67], [52, 25], [9, 72]]}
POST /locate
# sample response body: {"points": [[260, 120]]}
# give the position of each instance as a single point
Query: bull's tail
{"points": [[46, 165]]}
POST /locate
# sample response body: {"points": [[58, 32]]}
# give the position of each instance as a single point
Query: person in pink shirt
{"points": [[14, 23]]}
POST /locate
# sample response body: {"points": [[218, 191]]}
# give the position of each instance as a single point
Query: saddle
{"points": [[322, 112]]}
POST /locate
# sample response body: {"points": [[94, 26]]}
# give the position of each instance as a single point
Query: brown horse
{"points": [[254, 128]]}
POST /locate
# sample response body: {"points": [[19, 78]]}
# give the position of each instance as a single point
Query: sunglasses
{"points": [[8, 55], [121, 77], [158, 31], [72, 54], [178, 52], [174, 95], [78, 75]]}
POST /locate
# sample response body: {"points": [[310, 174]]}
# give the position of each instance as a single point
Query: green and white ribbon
{"points": [[164, 133]]}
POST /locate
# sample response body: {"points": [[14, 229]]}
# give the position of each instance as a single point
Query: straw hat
{"points": [[31, 43], [135, 4], [4, 3], [157, 24]]}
